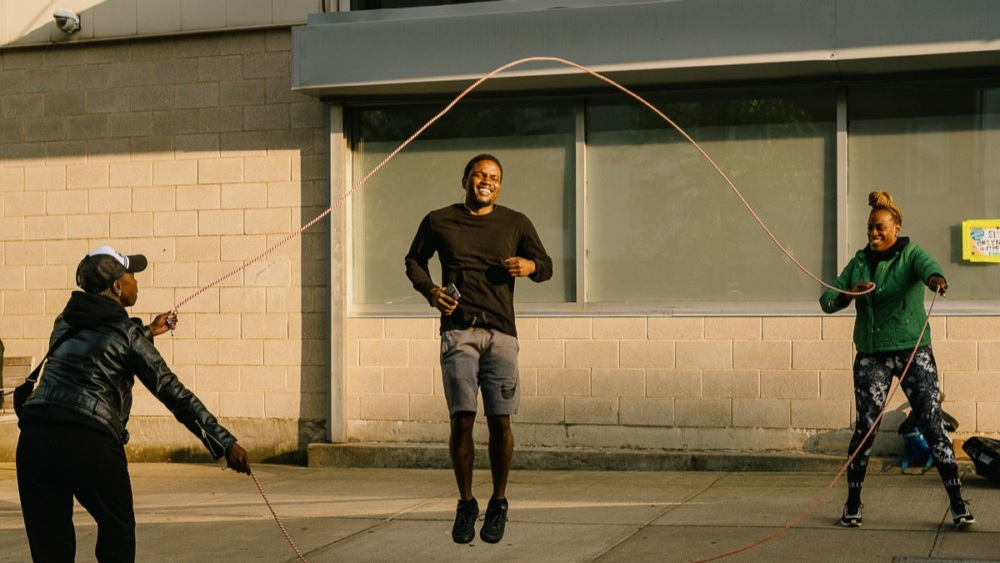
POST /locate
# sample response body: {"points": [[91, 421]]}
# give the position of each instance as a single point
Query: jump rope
{"points": [[357, 185]]}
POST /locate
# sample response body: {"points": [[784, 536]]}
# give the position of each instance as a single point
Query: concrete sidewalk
{"points": [[196, 512]]}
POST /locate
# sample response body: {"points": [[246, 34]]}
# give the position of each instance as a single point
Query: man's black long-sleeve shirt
{"points": [[472, 250]]}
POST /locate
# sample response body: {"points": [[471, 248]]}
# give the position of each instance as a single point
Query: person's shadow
{"points": [[888, 445]]}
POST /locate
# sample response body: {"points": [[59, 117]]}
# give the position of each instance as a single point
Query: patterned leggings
{"points": [[873, 375]]}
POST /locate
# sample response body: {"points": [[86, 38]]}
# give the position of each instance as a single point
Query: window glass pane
{"points": [[663, 226], [535, 144], [379, 4], [935, 147]]}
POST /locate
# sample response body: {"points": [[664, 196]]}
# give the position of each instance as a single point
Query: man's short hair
{"points": [[477, 158]]}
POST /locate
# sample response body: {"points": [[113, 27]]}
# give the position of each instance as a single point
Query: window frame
{"points": [[580, 307]]}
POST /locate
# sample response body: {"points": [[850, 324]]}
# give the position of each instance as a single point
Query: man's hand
{"points": [[442, 301], [938, 285], [237, 459], [163, 322], [519, 267]]}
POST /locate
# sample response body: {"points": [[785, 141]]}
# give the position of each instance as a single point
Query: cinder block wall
{"points": [[194, 151], [677, 383]]}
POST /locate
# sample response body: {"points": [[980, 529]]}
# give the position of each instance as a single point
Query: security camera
{"points": [[67, 20]]}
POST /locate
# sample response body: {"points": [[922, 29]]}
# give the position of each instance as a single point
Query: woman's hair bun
{"points": [[880, 200], [883, 200]]}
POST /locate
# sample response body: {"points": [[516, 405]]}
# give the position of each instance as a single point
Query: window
{"points": [[535, 144], [663, 226], [380, 4], [661, 230], [935, 146]]}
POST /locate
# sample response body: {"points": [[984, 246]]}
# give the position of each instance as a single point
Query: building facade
{"points": [[204, 133]]}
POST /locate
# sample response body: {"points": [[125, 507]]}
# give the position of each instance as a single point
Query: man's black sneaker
{"points": [[962, 515], [464, 530], [851, 518], [496, 519]]}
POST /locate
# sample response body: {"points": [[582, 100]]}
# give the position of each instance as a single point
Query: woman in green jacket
{"points": [[886, 331]]}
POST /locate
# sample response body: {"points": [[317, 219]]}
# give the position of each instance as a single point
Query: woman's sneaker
{"points": [[464, 530], [962, 515], [496, 519], [851, 518]]}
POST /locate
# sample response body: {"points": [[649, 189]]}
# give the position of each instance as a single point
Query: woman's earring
{"points": [[118, 291]]}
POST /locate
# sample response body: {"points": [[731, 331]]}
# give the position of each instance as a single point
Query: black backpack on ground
{"points": [[985, 454]]}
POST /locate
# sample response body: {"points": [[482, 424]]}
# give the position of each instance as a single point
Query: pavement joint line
{"points": [[668, 507]]}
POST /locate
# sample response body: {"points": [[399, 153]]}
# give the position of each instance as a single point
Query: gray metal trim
{"points": [[420, 51]]}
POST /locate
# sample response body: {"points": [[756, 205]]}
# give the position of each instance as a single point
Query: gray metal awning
{"points": [[443, 49]]}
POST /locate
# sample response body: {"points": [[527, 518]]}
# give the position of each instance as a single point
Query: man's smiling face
{"points": [[482, 185]]}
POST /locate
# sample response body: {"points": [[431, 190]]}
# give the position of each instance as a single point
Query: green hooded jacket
{"points": [[891, 317]]}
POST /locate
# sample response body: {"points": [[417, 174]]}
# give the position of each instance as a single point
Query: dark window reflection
{"points": [[380, 4]]}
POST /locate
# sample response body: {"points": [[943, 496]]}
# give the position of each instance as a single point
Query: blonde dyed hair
{"points": [[883, 200]]}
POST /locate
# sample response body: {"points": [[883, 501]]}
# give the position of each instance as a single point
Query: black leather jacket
{"points": [[92, 373]]}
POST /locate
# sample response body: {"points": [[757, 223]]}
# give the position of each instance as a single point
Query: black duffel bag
{"points": [[985, 454]]}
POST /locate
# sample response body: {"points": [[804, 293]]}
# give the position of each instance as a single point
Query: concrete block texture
{"points": [[675, 328], [821, 354], [707, 354], [988, 417], [838, 327], [821, 413], [673, 383], [730, 383], [709, 413], [591, 410], [762, 354], [619, 328], [565, 328], [618, 383], [657, 354], [733, 328], [789, 384], [163, 147], [761, 413], [978, 386], [973, 328], [563, 382], [541, 353], [636, 411], [958, 354], [988, 354], [541, 410]]}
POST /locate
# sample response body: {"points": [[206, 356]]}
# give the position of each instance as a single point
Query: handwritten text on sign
{"points": [[981, 240]]}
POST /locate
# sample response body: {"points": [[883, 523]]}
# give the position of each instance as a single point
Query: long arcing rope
{"points": [[357, 185], [451, 105]]}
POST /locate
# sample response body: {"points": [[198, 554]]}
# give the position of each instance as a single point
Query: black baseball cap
{"points": [[102, 266]]}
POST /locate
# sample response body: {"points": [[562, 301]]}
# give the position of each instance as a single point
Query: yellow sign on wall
{"points": [[981, 240]]}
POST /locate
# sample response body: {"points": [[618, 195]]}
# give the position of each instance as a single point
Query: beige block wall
{"points": [[30, 22], [676, 383], [118, 143]]}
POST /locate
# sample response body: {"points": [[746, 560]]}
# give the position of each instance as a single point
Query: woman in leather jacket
{"points": [[886, 331], [73, 426]]}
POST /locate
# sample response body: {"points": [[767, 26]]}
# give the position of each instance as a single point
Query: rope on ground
{"points": [[277, 520], [826, 490]]}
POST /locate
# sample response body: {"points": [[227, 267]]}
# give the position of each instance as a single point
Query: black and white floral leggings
{"points": [[873, 375]]}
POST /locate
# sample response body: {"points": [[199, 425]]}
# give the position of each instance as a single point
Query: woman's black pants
{"points": [[57, 462], [873, 375]]}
